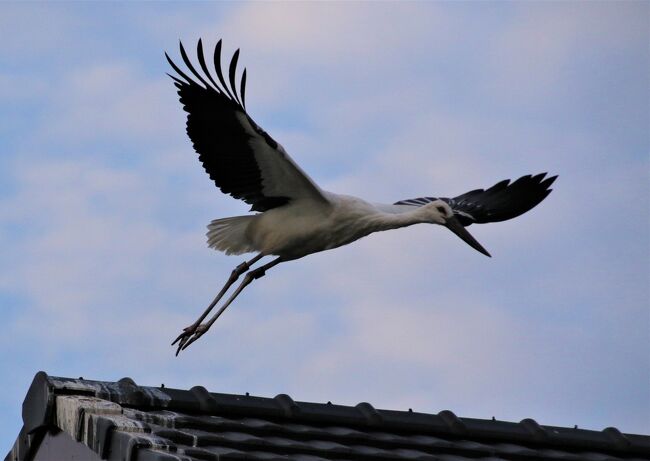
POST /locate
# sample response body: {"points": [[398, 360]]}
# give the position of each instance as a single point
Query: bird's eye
{"points": [[441, 210]]}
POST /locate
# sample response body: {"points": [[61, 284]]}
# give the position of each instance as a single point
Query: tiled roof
{"points": [[124, 421]]}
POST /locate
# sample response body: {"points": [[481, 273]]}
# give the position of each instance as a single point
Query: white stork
{"points": [[294, 216]]}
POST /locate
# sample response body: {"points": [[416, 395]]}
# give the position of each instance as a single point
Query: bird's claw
{"points": [[188, 336]]}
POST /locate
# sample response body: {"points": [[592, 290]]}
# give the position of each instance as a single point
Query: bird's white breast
{"points": [[305, 227]]}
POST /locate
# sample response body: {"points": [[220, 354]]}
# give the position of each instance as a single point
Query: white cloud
{"points": [[335, 34], [34, 30], [109, 101], [20, 88], [532, 58], [286, 46]]}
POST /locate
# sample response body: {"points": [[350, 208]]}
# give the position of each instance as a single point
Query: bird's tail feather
{"points": [[229, 235]]}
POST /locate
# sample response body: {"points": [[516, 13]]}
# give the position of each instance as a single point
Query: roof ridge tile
{"points": [[453, 422], [122, 420], [288, 406]]}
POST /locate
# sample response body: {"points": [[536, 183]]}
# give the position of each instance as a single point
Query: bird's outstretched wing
{"points": [[240, 157], [500, 202]]}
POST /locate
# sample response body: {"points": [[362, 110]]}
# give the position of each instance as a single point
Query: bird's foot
{"points": [[189, 335]]}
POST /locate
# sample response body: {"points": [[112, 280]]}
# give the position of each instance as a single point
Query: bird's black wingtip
{"points": [[547, 182]]}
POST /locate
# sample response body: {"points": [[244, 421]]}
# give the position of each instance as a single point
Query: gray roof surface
{"points": [[124, 421]]}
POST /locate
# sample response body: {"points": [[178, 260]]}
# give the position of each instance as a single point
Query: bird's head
{"points": [[439, 212]]}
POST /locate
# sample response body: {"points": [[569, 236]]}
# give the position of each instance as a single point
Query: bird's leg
{"points": [[248, 278], [237, 271]]}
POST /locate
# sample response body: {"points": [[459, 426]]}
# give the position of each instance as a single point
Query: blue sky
{"points": [[103, 205]]}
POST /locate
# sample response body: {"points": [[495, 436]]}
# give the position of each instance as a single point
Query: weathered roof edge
{"points": [[38, 416]]}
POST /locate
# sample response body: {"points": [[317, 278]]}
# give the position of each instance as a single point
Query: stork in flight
{"points": [[295, 217]]}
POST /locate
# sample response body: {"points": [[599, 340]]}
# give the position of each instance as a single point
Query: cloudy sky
{"points": [[103, 205]]}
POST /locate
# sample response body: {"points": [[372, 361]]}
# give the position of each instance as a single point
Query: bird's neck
{"points": [[396, 216], [354, 218]]}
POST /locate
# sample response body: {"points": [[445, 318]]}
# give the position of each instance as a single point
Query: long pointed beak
{"points": [[457, 228]]}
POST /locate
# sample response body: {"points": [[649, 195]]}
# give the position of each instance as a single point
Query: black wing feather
{"points": [[189, 65], [178, 71], [231, 74], [243, 89], [199, 52], [217, 66], [500, 202]]}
